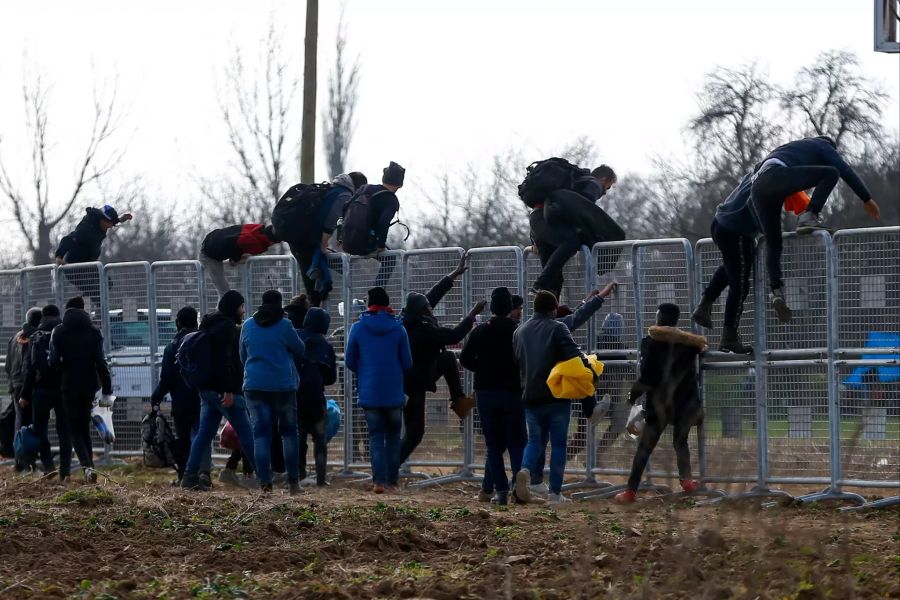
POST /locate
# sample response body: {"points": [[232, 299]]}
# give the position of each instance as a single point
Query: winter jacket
{"points": [[16, 349], [47, 379], [582, 314], [269, 346], [231, 243], [427, 340], [318, 368], [184, 397], [735, 214], [488, 352], [538, 345], [76, 347], [668, 374], [818, 152], [83, 244], [224, 335], [383, 205], [378, 352], [340, 193]]}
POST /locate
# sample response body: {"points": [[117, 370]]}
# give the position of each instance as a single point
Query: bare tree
{"points": [[38, 212], [256, 106], [158, 236], [310, 56], [832, 97], [343, 93]]}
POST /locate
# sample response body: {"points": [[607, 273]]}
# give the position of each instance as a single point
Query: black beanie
{"points": [[517, 301], [378, 297], [501, 302], [393, 174], [668, 314], [272, 297], [51, 310], [545, 302], [76, 302], [416, 304], [186, 318], [230, 302]]}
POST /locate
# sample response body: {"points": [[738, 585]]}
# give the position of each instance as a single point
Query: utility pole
{"points": [[308, 136]]}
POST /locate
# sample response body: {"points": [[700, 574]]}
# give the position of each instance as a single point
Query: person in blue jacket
{"points": [[268, 348], [378, 352], [797, 166]]}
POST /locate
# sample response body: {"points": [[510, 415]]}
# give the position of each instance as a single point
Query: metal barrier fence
{"points": [[817, 404]]}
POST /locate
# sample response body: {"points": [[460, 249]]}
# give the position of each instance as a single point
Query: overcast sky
{"points": [[443, 83]]}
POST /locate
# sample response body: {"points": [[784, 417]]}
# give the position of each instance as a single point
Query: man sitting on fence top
{"points": [[234, 244], [431, 359]]}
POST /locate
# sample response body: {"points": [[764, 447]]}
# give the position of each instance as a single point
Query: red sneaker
{"points": [[626, 497], [689, 485]]}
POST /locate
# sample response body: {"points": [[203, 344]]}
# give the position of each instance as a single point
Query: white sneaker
{"points": [[539, 489], [520, 490], [601, 410], [558, 499], [810, 221]]}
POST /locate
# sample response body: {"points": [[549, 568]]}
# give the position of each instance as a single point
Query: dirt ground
{"points": [[135, 536]]}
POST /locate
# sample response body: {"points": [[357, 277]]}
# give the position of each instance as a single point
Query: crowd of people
{"points": [[267, 374]]}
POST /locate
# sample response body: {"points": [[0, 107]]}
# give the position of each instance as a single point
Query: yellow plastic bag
{"points": [[571, 380]]}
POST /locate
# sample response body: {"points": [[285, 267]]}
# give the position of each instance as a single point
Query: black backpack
{"points": [[297, 217], [157, 441], [546, 176], [39, 346], [194, 359], [357, 236]]}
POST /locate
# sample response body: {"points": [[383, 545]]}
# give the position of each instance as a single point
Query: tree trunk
{"points": [[44, 248], [308, 137]]}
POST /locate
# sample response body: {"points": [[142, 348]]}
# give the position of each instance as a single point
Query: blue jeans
{"points": [[587, 409], [384, 443], [211, 413], [503, 424], [548, 421], [283, 406]]}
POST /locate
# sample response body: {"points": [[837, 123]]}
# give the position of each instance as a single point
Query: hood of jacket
{"points": [[268, 314], [379, 322], [673, 335], [48, 323], [344, 181], [25, 333], [77, 318], [317, 320], [212, 319], [296, 314]]}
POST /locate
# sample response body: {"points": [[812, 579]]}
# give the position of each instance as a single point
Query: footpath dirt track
{"points": [[139, 538]]}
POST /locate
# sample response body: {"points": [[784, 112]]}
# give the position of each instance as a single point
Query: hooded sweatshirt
{"points": [[269, 347], [224, 333], [83, 244], [488, 353], [48, 379], [16, 349], [538, 345], [318, 367], [76, 346], [378, 352], [735, 213], [184, 397]]}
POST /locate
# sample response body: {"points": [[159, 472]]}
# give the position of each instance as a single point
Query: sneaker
{"points": [[485, 496], [810, 221], [279, 478], [539, 489], [205, 480], [780, 305], [520, 488], [294, 488], [626, 497], [501, 499], [378, 488], [90, 475], [558, 499], [689, 485], [702, 315], [229, 477], [731, 342], [266, 488], [601, 410], [192, 482]]}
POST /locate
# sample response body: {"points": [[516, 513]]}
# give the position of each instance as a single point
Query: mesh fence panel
{"points": [[798, 440], [664, 275], [334, 304], [39, 286], [366, 273], [235, 275], [614, 451], [83, 280], [336, 445], [731, 442], [708, 259], [575, 286], [11, 318], [360, 431], [175, 284], [270, 272], [615, 324]]}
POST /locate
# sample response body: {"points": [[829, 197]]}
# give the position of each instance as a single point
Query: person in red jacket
{"points": [[234, 244]]}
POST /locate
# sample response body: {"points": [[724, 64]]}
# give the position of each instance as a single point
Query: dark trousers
{"points": [[503, 425], [317, 429], [553, 261], [187, 423], [304, 256], [42, 402], [236, 457], [76, 408], [767, 195], [414, 411], [734, 272], [653, 429], [23, 415]]}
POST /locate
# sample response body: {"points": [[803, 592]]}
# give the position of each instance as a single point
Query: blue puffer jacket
{"points": [[269, 346], [378, 352]]}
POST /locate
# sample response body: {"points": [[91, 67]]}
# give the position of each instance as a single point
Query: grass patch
{"points": [[89, 497]]}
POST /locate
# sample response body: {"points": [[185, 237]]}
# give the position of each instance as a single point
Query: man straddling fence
{"points": [[235, 244], [793, 167]]}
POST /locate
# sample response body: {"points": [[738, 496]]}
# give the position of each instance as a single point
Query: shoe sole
{"points": [[807, 229], [732, 351], [782, 310], [523, 494]]}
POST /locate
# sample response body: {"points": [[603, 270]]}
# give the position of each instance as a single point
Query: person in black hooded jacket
{"points": [[40, 390], [16, 351], [76, 347], [317, 370], [431, 359]]}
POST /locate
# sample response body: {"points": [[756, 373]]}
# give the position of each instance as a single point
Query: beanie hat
{"points": [[668, 314], [186, 318], [501, 301], [563, 310], [545, 302], [76, 302], [51, 310], [272, 297], [416, 304], [378, 297], [33, 317], [230, 302], [517, 301], [393, 174]]}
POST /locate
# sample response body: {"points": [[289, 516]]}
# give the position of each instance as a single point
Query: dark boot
{"points": [[703, 313], [731, 342], [782, 310]]}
